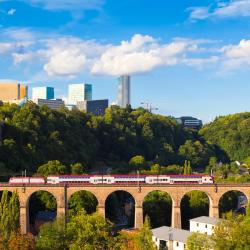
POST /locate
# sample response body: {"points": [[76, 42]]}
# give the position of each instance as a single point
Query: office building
{"points": [[190, 122], [124, 91], [23, 91], [12, 90], [96, 107], [42, 93], [79, 92], [52, 104]]}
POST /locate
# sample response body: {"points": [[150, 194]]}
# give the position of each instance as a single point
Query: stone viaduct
{"points": [[62, 193]]}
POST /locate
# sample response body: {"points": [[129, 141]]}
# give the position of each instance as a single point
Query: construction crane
{"points": [[148, 106]]}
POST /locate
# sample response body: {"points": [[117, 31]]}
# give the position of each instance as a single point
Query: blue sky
{"points": [[185, 57]]}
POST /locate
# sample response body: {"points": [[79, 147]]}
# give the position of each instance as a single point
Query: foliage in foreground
{"points": [[91, 232]]}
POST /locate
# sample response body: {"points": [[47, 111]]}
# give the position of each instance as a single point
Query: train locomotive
{"points": [[115, 179]]}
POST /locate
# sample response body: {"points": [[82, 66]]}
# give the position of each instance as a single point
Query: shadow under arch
{"points": [[120, 209], [80, 200], [42, 207], [194, 204], [233, 200], [157, 205]]}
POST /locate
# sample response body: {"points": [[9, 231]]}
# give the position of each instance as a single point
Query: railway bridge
{"points": [[62, 194]]}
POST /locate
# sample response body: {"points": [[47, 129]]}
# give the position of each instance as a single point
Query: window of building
{"points": [[212, 227], [206, 226], [184, 246], [197, 224], [177, 244]]}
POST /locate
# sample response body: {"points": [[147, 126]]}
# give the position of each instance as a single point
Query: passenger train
{"points": [[115, 179]]}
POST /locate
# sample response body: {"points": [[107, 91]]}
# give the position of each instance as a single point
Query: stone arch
{"points": [[88, 204], [120, 208], [31, 210], [159, 208], [231, 202], [203, 210]]}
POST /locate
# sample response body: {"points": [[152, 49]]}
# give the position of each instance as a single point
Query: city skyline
{"points": [[184, 58]]}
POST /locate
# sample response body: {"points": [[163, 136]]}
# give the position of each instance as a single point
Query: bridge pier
{"points": [[138, 216], [62, 204], [214, 211], [176, 216], [101, 210], [24, 219]]}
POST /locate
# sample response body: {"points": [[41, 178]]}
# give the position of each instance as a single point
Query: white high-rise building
{"points": [[79, 92], [46, 93], [124, 91]]}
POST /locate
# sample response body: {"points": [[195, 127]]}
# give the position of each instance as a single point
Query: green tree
{"points": [[76, 168], [51, 168], [53, 236], [144, 238], [198, 241], [232, 233], [89, 232], [230, 133], [9, 214], [82, 200], [157, 206], [137, 162]]}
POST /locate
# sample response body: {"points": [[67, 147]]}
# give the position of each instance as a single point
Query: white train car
{"points": [[199, 179], [68, 179], [161, 179], [26, 180], [102, 179]]}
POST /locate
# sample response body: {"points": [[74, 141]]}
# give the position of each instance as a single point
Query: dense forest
{"points": [[231, 133], [33, 135]]}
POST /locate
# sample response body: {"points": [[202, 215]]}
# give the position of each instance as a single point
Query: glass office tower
{"points": [[124, 91]]}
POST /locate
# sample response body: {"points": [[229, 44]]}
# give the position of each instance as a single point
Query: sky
{"points": [[184, 57]]}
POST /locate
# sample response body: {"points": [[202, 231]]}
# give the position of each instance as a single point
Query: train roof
{"points": [[130, 175]]}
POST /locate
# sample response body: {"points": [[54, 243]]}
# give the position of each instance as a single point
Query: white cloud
{"points": [[234, 8], [66, 4], [5, 47], [201, 62], [11, 12], [69, 56], [237, 55], [22, 57], [140, 54]]}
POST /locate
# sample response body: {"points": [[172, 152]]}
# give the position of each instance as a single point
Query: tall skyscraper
{"points": [[12, 90], [46, 93], [124, 91], [79, 92]]}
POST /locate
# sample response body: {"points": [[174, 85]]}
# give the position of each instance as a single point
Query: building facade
{"points": [[42, 93], [170, 238], [79, 92], [12, 91], [188, 121], [203, 224], [52, 104], [96, 107], [124, 91]]}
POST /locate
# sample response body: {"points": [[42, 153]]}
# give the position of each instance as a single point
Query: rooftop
{"points": [[167, 233], [206, 219]]}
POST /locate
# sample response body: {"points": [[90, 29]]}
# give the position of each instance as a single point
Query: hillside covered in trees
{"points": [[231, 133], [33, 135]]}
